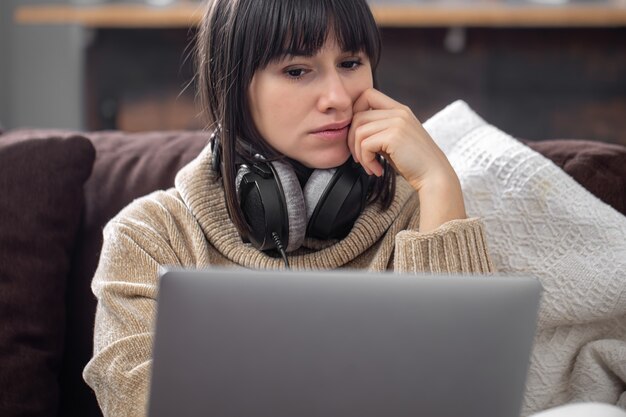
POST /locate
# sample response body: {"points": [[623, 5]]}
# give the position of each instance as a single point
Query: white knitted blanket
{"points": [[540, 222]]}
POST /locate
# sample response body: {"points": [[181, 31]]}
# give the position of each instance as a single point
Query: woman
{"points": [[291, 83]]}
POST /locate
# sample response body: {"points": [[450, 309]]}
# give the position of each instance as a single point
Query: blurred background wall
{"points": [[5, 22], [43, 71]]}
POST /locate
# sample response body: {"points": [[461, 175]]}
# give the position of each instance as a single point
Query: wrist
{"points": [[435, 178], [441, 200], [442, 183]]}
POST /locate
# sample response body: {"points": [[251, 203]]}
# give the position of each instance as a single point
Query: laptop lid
{"points": [[242, 343]]}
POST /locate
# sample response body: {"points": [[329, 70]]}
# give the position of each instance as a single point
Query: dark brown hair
{"points": [[238, 37]]}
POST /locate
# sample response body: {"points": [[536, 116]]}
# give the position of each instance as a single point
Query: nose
{"points": [[334, 94]]}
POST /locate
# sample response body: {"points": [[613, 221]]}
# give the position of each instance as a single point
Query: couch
{"points": [[57, 191]]}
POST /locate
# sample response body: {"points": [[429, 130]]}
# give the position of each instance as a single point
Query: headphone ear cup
{"points": [[272, 202], [262, 205], [340, 204], [315, 187]]}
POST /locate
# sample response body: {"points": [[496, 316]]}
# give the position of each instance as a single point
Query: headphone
{"points": [[280, 213]]}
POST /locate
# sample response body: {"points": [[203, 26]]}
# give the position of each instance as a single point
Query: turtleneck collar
{"points": [[204, 196]]}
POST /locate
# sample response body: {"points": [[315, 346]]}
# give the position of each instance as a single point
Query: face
{"points": [[302, 105]]}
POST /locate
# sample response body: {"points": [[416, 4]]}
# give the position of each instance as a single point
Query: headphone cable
{"points": [[279, 246]]}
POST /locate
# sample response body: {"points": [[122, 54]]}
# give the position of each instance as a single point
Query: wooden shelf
{"points": [[112, 15], [477, 13]]}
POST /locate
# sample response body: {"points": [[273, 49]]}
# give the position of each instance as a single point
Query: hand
{"points": [[381, 125]]}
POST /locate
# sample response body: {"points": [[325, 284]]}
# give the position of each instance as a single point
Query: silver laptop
{"points": [[240, 343]]}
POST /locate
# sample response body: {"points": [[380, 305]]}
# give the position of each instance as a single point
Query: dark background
{"points": [[531, 83]]}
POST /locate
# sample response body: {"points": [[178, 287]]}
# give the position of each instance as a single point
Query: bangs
{"points": [[300, 27]]}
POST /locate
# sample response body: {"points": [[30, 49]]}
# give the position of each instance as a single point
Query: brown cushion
{"points": [[599, 167], [128, 166], [41, 196]]}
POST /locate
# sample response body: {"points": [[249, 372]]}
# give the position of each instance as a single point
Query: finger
{"points": [[363, 132], [365, 117], [374, 99], [370, 148], [368, 116]]}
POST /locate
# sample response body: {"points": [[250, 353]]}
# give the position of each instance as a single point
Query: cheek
{"points": [[363, 83], [276, 113], [277, 124], [275, 108]]}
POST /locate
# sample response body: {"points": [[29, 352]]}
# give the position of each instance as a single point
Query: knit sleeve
{"points": [[126, 286], [457, 246]]}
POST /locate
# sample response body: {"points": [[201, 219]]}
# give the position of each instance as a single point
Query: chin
{"points": [[327, 161]]}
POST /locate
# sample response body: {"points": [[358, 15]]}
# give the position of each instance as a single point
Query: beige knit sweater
{"points": [[189, 226]]}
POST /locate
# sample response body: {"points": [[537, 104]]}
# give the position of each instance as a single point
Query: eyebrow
{"points": [[293, 53]]}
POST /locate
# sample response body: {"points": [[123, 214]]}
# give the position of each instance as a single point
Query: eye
{"points": [[351, 64], [295, 73]]}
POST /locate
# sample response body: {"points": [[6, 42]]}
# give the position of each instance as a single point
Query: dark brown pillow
{"points": [[41, 197], [599, 167], [128, 166]]}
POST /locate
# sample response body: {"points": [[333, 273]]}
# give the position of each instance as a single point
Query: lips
{"points": [[338, 126]]}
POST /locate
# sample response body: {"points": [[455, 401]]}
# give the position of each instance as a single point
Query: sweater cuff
{"points": [[457, 246]]}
